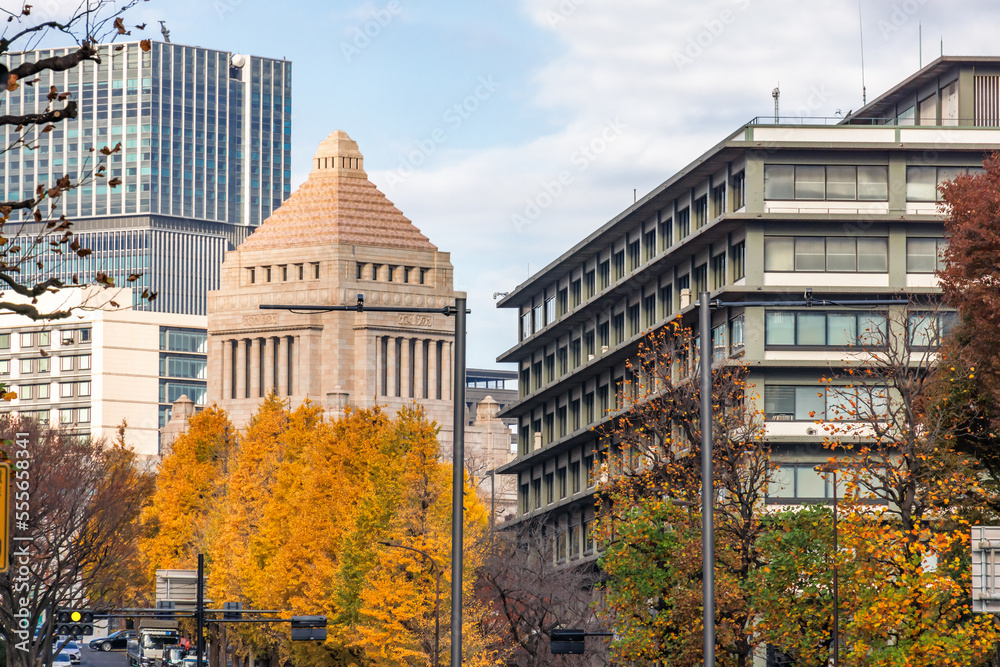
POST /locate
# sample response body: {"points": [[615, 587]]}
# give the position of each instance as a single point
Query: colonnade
{"points": [[253, 366], [417, 368]]}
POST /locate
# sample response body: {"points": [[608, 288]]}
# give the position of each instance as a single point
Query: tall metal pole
{"points": [[458, 486], [707, 486], [836, 592], [199, 612]]}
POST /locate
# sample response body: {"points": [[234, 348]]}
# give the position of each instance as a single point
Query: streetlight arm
{"points": [[422, 553]]}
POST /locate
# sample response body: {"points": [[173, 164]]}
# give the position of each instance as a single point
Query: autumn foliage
{"points": [[292, 513]]}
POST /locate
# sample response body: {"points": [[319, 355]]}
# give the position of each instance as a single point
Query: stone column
{"points": [[295, 384], [419, 364], [268, 347], [431, 366], [255, 388], [227, 368], [405, 379], [282, 380], [241, 369], [446, 370], [390, 363]]}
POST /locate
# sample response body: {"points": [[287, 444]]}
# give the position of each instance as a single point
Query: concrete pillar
{"points": [[227, 368], [419, 364], [432, 365], [255, 387], [405, 377], [305, 365], [446, 370], [241, 368], [268, 346], [282, 381], [391, 388]]}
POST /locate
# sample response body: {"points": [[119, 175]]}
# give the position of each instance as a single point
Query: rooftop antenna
{"points": [[775, 94], [166, 33], [861, 32]]}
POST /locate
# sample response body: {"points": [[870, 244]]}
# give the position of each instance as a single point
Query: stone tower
{"points": [[336, 237]]}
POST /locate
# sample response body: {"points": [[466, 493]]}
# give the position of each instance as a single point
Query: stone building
{"points": [[335, 238]]}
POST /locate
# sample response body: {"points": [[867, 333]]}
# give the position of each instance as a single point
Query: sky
{"points": [[508, 130]]}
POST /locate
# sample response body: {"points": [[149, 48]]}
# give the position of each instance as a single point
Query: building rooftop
{"points": [[338, 205]]}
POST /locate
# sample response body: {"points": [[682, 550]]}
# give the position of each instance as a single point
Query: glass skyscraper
{"points": [[205, 157]]}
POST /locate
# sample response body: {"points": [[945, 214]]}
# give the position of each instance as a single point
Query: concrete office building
{"points": [[205, 156], [89, 372], [848, 208]]}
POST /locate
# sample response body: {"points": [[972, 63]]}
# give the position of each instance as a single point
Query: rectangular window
{"points": [[873, 183], [4, 341], [619, 265], [537, 321], [821, 254], [667, 300], [83, 362], [83, 388], [634, 256], [66, 389], [739, 254], [649, 244], [736, 328], [536, 493], [699, 211], [683, 223], [700, 280], [525, 324], [649, 307], [66, 363], [810, 182], [562, 487], [550, 310], [719, 349], [739, 190], [574, 352], [27, 366], [590, 284], [812, 329], [925, 330], [44, 338], [562, 302], [549, 488], [841, 183], [27, 339], [925, 255], [4, 366], [779, 181], [604, 268], [666, 233], [718, 200], [921, 184], [575, 294], [719, 271], [574, 477], [523, 499]]}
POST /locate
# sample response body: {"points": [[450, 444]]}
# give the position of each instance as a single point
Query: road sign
{"points": [[4, 516], [986, 569], [567, 640]]}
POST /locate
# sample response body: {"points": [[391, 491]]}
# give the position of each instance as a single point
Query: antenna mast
{"points": [[861, 32], [775, 93]]}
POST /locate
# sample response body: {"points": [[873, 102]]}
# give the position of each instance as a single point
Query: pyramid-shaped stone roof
{"points": [[338, 205]]}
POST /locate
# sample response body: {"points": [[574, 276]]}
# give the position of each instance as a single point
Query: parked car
{"points": [[116, 640]]}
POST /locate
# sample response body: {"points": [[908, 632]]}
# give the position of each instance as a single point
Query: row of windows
{"points": [[854, 183], [849, 183], [849, 254], [557, 485], [815, 403], [44, 364], [28, 392], [843, 329], [281, 272], [67, 416], [44, 338], [547, 311], [183, 340], [392, 273]]}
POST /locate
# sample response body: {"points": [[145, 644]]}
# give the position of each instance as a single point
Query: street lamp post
{"points": [[458, 311], [437, 596]]}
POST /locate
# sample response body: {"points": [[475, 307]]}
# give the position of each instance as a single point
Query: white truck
{"points": [[152, 635]]}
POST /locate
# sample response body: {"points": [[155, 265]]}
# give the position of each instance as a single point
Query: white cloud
{"points": [[678, 77]]}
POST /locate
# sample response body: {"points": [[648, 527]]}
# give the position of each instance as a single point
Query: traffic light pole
{"points": [[199, 611]]}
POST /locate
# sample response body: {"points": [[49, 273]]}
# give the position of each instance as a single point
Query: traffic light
{"points": [[308, 628], [231, 611], [564, 641], [74, 622]]}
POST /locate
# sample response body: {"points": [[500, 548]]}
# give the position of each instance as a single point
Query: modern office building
{"points": [[204, 158], [103, 365], [847, 208]]}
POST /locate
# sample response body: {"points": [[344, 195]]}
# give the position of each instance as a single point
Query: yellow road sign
{"points": [[4, 516]]}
